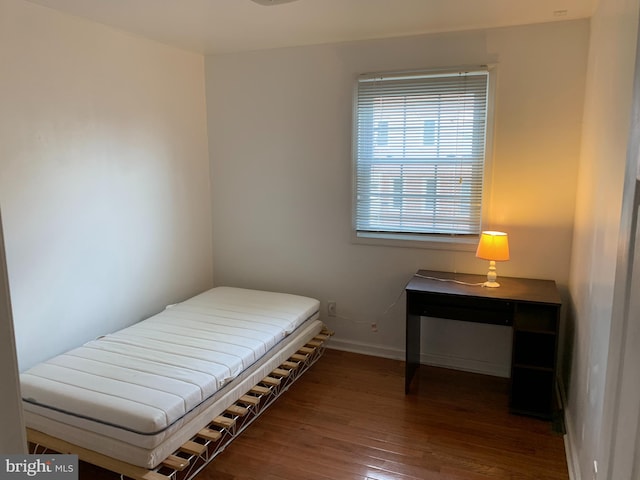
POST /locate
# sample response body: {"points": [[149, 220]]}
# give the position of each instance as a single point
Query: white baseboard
{"points": [[573, 464], [436, 360], [366, 349], [465, 364], [572, 461]]}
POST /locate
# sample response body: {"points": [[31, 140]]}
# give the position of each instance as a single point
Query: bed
{"points": [[161, 398]]}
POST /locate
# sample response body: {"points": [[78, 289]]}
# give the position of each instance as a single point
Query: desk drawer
{"points": [[457, 307]]}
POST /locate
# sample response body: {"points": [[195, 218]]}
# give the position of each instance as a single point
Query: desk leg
{"points": [[412, 346]]}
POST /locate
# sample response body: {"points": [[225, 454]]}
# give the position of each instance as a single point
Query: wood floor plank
{"points": [[348, 418], [456, 425]]}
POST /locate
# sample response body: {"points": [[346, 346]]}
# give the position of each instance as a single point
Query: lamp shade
{"points": [[493, 246]]}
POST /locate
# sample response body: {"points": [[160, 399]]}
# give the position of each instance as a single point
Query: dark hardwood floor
{"points": [[348, 418]]}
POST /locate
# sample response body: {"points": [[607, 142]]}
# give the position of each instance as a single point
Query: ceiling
{"points": [[225, 26]]}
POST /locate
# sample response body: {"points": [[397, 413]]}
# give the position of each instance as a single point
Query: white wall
{"points": [[104, 177], [608, 102], [280, 146]]}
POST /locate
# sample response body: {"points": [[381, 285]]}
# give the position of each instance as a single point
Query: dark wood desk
{"points": [[530, 307]]}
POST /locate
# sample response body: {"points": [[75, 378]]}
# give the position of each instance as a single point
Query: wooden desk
{"points": [[530, 307]]}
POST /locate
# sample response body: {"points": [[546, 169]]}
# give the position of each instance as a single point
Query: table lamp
{"points": [[493, 246]]}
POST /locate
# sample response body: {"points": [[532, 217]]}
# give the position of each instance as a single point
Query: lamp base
{"points": [[492, 275]]}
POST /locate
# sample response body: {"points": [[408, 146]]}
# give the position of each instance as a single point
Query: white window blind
{"points": [[419, 152]]}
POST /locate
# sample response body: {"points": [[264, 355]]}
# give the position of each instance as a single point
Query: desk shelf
{"points": [[531, 391], [534, 357], [536, 317], [534, 349]]}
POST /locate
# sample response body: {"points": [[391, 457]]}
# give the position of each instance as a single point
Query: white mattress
{"points": [[139, 393]]}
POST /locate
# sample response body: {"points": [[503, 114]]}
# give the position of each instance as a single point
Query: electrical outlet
{"points": [[332, 309], [374, 327]]}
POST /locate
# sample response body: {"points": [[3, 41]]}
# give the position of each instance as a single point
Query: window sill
{"points": [[467, 243]]}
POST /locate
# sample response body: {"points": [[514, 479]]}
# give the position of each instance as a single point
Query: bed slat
{"points": [[211, 435], [260, 390], [192, 448], [176, 463], [224, 422], [290, 365], [272, 381], [237, 410], [249, 400]]}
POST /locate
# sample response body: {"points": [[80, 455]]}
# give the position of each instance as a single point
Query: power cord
{"points": [[480, 284], [374, 325]]}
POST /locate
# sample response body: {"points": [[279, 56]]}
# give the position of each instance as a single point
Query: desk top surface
{"points": [[511, 288]]}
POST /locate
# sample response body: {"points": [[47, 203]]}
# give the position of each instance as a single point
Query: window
{"points": [[429, 132], [381, 133], [420, 142]]}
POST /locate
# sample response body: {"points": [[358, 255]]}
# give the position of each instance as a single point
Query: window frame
{"points": [[439, 241]]}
